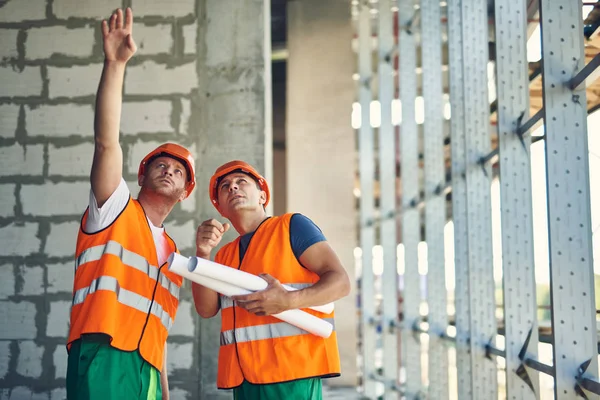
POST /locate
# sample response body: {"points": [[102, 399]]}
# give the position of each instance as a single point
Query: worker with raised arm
{"points": [[124, 297], [261, 357]]}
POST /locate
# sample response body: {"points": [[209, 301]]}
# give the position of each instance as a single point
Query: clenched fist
{"points": [[208, 236]]}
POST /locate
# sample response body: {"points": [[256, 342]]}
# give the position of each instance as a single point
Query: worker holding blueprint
{"points": [[260, 356]]}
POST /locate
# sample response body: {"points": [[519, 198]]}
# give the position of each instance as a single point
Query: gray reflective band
{"points": [[128, 258], [125, 297], [226, 302], [261, 332]]}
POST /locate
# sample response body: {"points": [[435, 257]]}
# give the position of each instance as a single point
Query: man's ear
{"points": [[183, 195], [263, 198], [141, 180]]}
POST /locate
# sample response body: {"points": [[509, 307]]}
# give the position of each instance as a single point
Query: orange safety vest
{"points": [[264, 350], [119, 290]]}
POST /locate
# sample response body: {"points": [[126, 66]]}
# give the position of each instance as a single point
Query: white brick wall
{"points": [[58, 394], [33, 280], [153, 78], [184, 323], [52, 199], [24, 393], [189, 204], [183, 235], [136, 153], [74, 81], [23, 10], [64, 9], [62, 239], [146, 117], [173, 8], [7, 277], [22, 160], [179, 394], [4, 357], [8, 44], [186, 113], [19, 240], [60, 121], [9, 117], [190, 34], [179, 356], [17, 320], [58, 319], [70, 160], [28, 363], [156, 39], [60, 362], [44, 42], [21, 83], [60, 276], [7, 200]]}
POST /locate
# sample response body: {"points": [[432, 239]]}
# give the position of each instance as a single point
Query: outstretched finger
{"points": [[119, 19], [104, 28], [113, 22], [128, 19]]}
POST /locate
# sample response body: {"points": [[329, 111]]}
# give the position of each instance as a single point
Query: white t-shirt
{"points": [[100, 218]]}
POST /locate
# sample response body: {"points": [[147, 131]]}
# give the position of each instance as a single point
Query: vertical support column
{"points": [[435, 199], [569, 216], [234, 103], [478, 179], [367, 176], [411, 232], [459, 202], [321, 144], [520, 305], [387, 199]]}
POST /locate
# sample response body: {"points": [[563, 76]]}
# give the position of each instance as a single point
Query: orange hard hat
{"points": [[174, 151], [235, 166]]}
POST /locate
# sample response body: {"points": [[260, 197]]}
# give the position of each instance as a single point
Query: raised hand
{"points": [[117, 36], [208, 236]]}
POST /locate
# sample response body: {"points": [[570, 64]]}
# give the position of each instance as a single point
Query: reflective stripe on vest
{"points": [[260, 332], [226, 301], [125, 297], [129, 259]]}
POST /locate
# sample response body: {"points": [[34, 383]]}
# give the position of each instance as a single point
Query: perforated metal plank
{"points": [[367, 176], [411, 346], [459, 203], [520, 307], [387, 200], [569, 217], [435, 198], [478, 178]]}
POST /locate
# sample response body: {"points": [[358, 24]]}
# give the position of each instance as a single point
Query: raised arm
{"points": [[107, 166]]}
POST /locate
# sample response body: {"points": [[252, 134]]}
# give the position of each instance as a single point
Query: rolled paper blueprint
{"points": [[303, 320], [239, 278]]}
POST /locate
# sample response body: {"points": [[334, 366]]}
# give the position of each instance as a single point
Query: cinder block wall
{"points": [[50, 63]]}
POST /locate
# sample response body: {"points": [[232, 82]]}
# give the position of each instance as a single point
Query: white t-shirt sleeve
{"points": [[100, 218]]}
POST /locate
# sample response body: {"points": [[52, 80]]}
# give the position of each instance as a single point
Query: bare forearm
{"points": [[108, 104], [164, 378], [331, 286], [205, 300]]}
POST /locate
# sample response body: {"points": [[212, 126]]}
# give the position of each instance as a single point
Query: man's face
{"points": [[238, 191], [165, 176]]}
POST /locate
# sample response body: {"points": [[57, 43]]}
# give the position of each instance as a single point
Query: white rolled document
{"points": [[303, 320], [239, 278]]}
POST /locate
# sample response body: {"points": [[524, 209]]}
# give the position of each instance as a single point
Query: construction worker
{"points": [[260, 356], [124, 297]]}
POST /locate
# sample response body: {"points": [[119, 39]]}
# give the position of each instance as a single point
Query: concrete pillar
{"points": [[231, 120], [320, 142]]}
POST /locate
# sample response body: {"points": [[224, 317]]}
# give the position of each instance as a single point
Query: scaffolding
{"points": [[420, 167]]}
